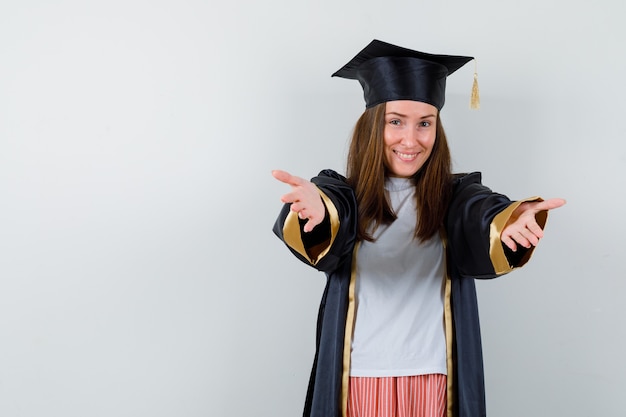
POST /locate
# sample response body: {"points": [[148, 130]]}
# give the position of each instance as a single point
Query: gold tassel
{"points": [[475, 98]]}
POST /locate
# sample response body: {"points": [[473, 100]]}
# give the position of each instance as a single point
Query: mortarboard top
{"points": [[388, 72]]}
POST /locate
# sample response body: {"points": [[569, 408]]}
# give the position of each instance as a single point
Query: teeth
{"points": [[406, 155]]}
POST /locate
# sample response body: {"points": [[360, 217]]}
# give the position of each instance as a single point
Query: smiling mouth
{"points": [[406, 156]]}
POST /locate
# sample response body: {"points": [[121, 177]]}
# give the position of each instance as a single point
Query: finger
{"points": [[294, 197], [310, 225], [296, 206], [280, 175], [510, 243], [521, 240], [530, 238], [289, 198], [549, 204], [287, 178], [535, 229]]}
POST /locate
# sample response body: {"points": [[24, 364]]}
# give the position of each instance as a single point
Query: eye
{"points": [[395, 122], [425, 123]]}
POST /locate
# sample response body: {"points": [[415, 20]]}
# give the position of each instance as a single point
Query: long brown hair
{"points": [[366, 173]]}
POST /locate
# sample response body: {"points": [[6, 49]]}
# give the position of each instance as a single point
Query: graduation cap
{"points": [[388, 72]]}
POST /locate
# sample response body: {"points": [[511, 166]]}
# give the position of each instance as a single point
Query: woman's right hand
{"points": [[304, 198]]}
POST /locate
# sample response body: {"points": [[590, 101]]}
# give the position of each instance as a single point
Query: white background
{"points": [[138, 272]]}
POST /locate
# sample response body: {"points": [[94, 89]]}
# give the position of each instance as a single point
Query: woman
{"points": [[401, 240]]}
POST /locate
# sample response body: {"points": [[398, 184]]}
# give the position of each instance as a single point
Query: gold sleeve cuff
{"points": [[496, 251], [292, 231]]}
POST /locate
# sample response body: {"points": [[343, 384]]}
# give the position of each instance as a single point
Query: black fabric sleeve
{"points": [[469, 228], [335, 243]]}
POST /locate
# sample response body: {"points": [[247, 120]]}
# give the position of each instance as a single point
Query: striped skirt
{"points": [[403, 396]]}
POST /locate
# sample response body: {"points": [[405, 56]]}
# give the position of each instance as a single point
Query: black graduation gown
{"points": [[474, 221]]}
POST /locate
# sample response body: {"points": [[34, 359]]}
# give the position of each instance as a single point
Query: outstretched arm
{"points": [[318, 220], [522, 228], [304, 198]]}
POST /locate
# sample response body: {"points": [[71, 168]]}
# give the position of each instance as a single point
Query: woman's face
{"points": [[410, 131]]}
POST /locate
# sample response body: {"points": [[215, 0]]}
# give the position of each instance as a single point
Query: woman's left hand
{"points": [[522, 228]]}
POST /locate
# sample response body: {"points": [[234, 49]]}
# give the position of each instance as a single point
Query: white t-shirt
{"points": [[399, 328]]}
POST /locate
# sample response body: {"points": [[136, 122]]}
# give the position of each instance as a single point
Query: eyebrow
{"points": [[404, 115]]}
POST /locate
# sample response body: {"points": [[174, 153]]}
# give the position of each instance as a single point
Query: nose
{"points": [[410, 138]]}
